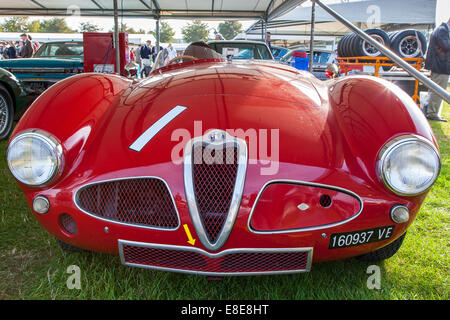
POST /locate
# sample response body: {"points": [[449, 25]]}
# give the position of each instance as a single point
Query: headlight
{"points": [[34, 157], [408, 165]]}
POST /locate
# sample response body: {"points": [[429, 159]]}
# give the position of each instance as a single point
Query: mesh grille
{"points": [[241, 262], [68, 223], [145, 201], [214, 173]]}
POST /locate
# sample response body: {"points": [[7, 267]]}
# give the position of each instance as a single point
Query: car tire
{"points": [[365, 49], [383, 253], [6, 113], [68, 247], [409, 44], [352, 45], [342, 52]]}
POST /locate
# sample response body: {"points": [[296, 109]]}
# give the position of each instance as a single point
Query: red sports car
{"points": [[218, 166]]}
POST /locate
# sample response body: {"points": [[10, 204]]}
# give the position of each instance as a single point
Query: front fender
{"points": [[370, 111], [72, 110]]}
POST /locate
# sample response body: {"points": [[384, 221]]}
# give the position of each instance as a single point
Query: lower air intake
{"points": [[136, 201], [228, 262]]}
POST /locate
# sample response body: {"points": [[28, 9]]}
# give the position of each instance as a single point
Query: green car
{"points": [[12, 101], [53, 61]]}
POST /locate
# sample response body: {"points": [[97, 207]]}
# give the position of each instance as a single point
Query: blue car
{"points": [[278, 52], [53, 61]]}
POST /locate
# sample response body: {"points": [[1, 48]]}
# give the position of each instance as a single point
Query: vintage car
{"points": [[12, 101], [322, 59], [53, 61], [279, 52], [221, 167]]}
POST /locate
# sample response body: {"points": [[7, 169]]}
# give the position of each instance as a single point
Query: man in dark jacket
{"points": [[27, 50], [438, 61]]}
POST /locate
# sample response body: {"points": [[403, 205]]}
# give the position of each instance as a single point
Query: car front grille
{"points": [[228, 262], [214, 179], [136, 201]]}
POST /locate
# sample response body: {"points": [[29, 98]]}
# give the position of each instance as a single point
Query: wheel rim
{"points": [[4, 114], [409, 47], [370, 50]]}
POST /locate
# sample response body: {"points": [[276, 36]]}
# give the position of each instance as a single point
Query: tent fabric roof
{"points": [[206, 9], [297, 21]]}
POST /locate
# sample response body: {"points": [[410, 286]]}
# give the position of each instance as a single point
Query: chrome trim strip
{"points": [[148, 134], [121, 243], [237, 192], [303, 183], [75, 200]]}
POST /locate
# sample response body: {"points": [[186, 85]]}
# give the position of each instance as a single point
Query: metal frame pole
{"points": [[311, 40], [157, 35], [116, 36], [388, 53]]}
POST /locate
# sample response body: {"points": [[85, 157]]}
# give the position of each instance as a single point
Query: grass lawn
{"points": [[33, 267]]}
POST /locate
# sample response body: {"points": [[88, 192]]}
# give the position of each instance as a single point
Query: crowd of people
{"points": [[145, 55], [24, 48]]}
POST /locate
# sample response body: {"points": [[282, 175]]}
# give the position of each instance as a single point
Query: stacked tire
{"points": [[407, 44]]}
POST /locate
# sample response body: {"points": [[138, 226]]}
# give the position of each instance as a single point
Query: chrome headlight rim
{"points": [[389, 147], [54, 146]]}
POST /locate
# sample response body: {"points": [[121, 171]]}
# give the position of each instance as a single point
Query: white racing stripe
{"points": [[155, 128]]}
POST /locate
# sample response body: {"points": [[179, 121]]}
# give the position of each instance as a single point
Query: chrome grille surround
{"points": [[218, 140], [230, 262], [176, 215]]}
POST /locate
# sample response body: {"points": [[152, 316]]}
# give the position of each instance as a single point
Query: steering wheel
{"points": [[181, 57]]}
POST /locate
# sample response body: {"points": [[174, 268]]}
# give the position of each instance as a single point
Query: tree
{"points": [[34, 26], [230, 29], [125, 28], [55, 25], [166, 33], [195, 31], [88, 27], [15, 24]]}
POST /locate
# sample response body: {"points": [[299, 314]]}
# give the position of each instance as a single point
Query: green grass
{"points": [[33, 267]]}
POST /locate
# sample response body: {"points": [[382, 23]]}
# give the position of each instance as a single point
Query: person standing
{"points": [[11, 50], [171, 51], [146, 57], [438, 61], [268, 35], [27, 50]]}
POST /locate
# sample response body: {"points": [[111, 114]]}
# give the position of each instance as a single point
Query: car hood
{"points": [[267, 102]]}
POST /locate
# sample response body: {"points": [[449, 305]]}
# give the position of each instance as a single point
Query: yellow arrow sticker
{"points": [[188, 233]]}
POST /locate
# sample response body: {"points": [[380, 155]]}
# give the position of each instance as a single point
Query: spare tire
{"points": [[409, 44], [342, 45], [353, 45], [364, 48]]}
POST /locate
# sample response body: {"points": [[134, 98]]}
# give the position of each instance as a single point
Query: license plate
{"points": [[360, 237]]}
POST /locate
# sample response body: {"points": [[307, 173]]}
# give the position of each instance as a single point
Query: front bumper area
{"points": [[231, 262]]}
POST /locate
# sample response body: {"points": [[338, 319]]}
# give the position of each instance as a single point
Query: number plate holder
{"points": [[360, 237]]}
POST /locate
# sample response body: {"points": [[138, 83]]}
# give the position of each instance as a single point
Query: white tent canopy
{"points": [[169, 9], [388, 14]]}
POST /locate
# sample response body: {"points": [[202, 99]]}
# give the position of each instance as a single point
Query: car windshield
{"points": [[194, 51], [242, 50], [60, 49]]}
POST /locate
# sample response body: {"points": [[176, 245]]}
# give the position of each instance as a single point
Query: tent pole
{"points": [[388, 53], [157, 35], [116, 36], [311, 40]]}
